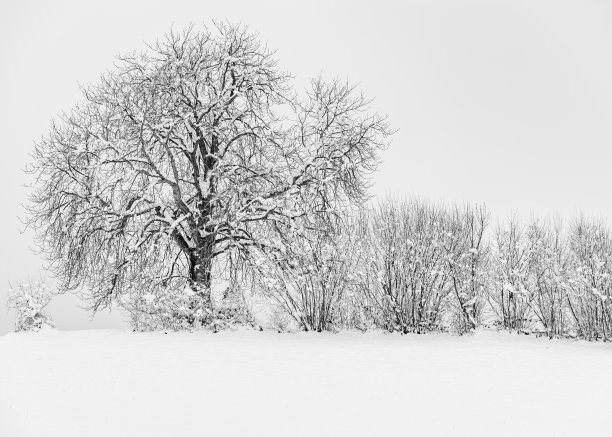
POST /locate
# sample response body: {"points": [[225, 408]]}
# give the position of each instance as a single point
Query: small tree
{"points": [[317, 267], [510, 296], [28, 300], [589, 281], [468, 263], [548, 267], [406, 265]]}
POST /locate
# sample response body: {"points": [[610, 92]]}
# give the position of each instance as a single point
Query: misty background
{"points": [[501, 102]]}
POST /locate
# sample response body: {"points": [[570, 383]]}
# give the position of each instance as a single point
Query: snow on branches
{"points": [[189, 151], [28, 300], [426, 266]]}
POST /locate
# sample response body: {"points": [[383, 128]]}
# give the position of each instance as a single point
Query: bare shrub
{"points": [[315, 272], [549, 262], [589, 280], [510, 294], [406, 274], [28, 300], [467, 254]]}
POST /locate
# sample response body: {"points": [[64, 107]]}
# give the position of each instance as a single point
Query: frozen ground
{"points": [[114, 383]]}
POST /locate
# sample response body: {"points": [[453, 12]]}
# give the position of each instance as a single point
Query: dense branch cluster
{"points": [[412, 266], [424, 263], [317, 270], [417, 267], [556, 279]]}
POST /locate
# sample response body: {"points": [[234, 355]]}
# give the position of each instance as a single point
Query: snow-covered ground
{"points": [[114, 383]]}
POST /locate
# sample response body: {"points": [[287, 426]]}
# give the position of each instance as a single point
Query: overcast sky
{"points": [[501, 102]]}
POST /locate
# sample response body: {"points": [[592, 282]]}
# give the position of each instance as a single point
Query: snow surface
{"points": [[116, 383]]}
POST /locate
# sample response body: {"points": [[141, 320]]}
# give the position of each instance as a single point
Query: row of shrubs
{"points": [[412, 266]]}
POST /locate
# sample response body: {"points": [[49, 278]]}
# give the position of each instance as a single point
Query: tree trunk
{"points": [[200, 277]]}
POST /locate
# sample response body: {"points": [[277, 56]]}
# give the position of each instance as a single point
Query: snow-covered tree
{"points": [[28, 300], [186, 153], [406, 275], [510, 293], [316, 271], [424, 265], [467, 254], [545, 278], [589, 281], [549, 260]]}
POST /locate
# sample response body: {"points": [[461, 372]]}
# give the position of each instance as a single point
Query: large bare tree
{"points": [[189, 151]]}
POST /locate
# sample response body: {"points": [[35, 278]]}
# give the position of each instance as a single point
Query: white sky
{"points": [[503, 102]]}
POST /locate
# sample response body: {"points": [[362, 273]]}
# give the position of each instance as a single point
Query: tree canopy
{"points": [[196, 148]]}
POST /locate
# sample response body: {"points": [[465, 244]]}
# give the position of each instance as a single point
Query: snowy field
{"points": [[114, 383]]}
